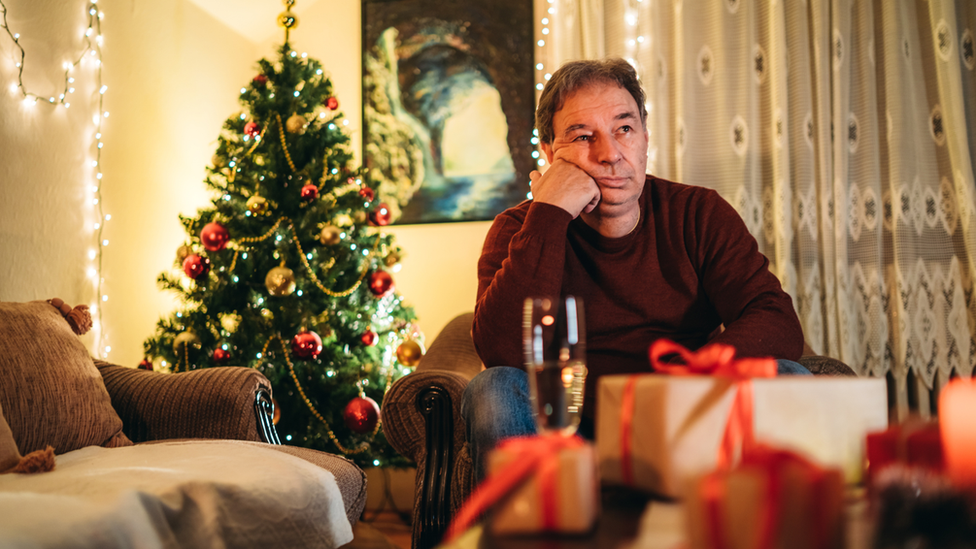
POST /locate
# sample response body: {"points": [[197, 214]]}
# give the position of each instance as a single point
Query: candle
{"points": [[957, 410]]}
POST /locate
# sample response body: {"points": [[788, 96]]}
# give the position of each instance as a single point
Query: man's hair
{"points": [[578, 74]]}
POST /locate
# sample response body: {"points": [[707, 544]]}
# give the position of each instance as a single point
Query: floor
{"points": [[382, 530]]}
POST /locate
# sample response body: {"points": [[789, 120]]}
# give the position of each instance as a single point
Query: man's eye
{"points": [[582, 138], [626, 129]]}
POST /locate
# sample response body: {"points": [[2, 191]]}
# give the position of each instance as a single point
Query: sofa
{"points": [[94, 454], [422, 421]]}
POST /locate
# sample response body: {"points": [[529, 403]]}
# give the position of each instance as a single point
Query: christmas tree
{"points": [[288, 270]]}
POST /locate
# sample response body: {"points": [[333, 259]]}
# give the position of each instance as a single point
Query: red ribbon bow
{"points": [[718, 360], [774, 463], [539, 454]]}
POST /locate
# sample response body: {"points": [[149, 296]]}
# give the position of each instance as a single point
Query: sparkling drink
{"points": [[555, 360]]}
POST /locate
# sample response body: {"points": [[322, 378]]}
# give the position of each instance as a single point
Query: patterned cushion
{"points": [[50, 391]]}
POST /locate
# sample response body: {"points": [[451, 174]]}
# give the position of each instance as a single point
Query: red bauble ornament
{"points": [[381, 215], [310, 192], [306, 345], [196, 266], [252, 129], [221, 356], [369, 338], [367, 193], [146, 365], [381, 283], [214, 236], [332, 103], [260, 81], [361, 415]]}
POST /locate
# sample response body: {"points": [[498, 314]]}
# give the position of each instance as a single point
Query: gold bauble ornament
{"points": [[230, 321], [343, 220], [296, 124], [185, 341], [287, 20], [361, 217], [280, 281], [330, 235], [410, 352], [257, 205], [392, 258], [267, 314], [182, 252]]}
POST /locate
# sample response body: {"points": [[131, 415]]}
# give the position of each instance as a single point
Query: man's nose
{"points": [[607, 151]]}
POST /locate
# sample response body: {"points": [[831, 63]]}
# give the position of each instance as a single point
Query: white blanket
{"points": [[207, 494]]}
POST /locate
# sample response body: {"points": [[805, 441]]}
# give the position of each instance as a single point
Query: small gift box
{"points": [[655, 431], [535, 484], [773, 499], [915, 444], [561, 495]]}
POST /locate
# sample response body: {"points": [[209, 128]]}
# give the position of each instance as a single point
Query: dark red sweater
{"points": [[689, 267]]}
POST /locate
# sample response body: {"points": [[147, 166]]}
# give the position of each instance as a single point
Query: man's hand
{"points": [[565, 185]]}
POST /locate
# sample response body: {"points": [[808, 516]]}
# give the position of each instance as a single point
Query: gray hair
{"points": [[578, 74]]}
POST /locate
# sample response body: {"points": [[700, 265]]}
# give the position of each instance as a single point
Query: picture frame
{"points": [[448, 106]]}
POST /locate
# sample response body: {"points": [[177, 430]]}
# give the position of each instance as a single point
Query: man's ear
{"points": [[547, 150]]}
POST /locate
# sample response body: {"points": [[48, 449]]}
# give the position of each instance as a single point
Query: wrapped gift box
{"points": [[795, 503], [571, 495], [679, 421]]}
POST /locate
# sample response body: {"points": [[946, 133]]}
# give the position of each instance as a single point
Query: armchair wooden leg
{"points": [[435, 505]]}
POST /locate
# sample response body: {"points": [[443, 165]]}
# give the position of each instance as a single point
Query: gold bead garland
{"points": [[301, 254], [281, 132], [308, 402]]}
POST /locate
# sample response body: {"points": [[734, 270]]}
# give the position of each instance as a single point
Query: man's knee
{"points": [[496, 403]]}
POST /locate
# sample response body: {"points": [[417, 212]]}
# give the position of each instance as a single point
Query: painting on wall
{"points": [[448, 106]]}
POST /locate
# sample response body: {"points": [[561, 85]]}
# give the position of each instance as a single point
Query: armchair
{"points": [[422, 420]]}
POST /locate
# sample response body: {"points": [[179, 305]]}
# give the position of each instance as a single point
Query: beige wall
{"points": [[173, 73]]}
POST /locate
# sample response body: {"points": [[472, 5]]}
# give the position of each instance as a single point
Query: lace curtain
{"points": [[844, 133]]}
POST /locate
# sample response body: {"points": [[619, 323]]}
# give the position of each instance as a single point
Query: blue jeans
{"points": [[495, 406]]}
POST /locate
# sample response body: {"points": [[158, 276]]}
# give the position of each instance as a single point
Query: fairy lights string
{"points": [[90, 56]]}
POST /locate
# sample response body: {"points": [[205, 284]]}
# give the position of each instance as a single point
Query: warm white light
{"points": [[104, 298], [108, 216], [105, 242], [542, 43], [92, 254]]}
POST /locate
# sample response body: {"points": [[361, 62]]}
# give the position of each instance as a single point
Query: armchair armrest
{"points": [[216, 403], [422, 420]]}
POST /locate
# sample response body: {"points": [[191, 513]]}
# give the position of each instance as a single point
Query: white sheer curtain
{"points": [[844, 132]]}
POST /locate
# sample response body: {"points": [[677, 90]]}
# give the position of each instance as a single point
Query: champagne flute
{"points": [[555, 360]]}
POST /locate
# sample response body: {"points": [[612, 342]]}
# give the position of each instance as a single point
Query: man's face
{"points": [[598, 128]]}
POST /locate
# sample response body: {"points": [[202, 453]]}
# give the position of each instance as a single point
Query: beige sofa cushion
{"points": [[50, 391], [195, 494]]}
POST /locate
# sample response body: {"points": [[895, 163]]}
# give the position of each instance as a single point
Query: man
{"points": [[650, 258]]}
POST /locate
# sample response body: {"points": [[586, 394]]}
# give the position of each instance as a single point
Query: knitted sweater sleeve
{"points": [[758, 315], [523, 256]]}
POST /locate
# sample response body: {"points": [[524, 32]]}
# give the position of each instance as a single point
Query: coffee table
{"points": [[616, 527]]}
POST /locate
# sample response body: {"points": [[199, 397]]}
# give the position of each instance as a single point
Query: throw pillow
{"points": [[50, 391], [12, 462]]}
